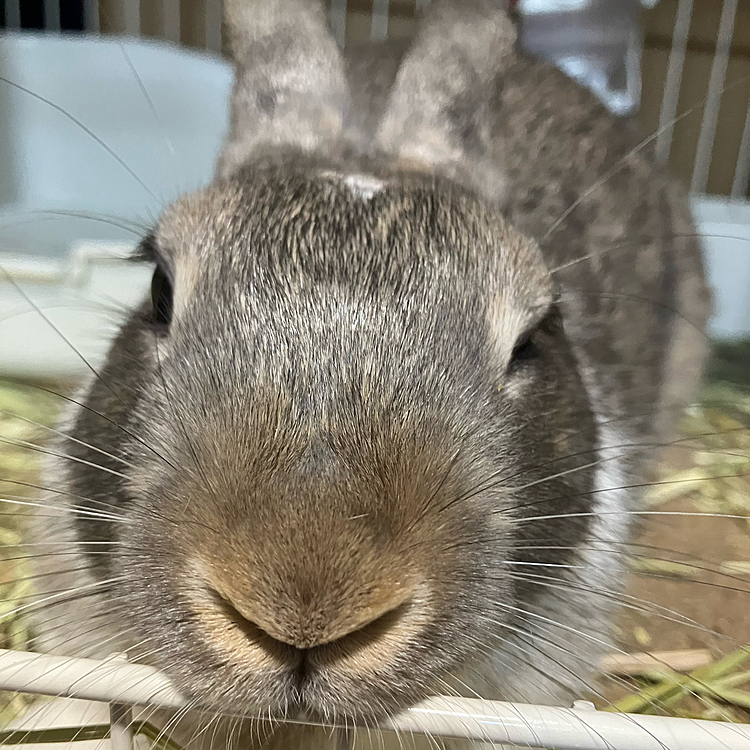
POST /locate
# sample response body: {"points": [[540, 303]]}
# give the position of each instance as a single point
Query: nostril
{"points": [[373, 630], [250, 628], [335, 629]]}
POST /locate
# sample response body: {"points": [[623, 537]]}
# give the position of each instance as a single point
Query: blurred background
{"points": [[678, 43]]}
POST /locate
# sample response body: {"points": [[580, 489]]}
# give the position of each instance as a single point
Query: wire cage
{"points": [[693, 56]]}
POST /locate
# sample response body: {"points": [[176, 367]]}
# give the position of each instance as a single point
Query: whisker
{"points": [[621, 163], [75, 510], [523, 635], [38, 449], [636, 241], [640, 446], [149, 101], [635, 485], [53, 597], [66, 436], [31, 485], [119, 222], [677, 513], [62, 336], [96, 413], [85, 129], [624, 600]]}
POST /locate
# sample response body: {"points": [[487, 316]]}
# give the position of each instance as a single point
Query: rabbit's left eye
{"points": [[161, 298]]}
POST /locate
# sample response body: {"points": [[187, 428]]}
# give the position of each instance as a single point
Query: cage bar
{"points": [[52, 15], [379, 20], [673, 83], [12, 14], [214, 16], [742, 172], [710, 120], [121, 726], [579, 728], [91, 9], [170, 15], [337, 15]]}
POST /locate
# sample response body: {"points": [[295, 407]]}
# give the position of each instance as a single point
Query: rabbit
{"points": [[376, 432]]}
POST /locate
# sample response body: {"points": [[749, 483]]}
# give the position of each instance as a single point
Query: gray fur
{"points": [[332, 433]]}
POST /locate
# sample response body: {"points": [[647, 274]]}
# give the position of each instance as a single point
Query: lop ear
{"points": [[438, 113], [290, 86]]}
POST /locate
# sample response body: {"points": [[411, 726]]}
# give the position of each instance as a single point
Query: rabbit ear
{"points": [[439, 107], [290, 87]]}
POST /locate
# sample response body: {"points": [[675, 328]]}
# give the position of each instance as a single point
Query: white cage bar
{"points": [[673, 83], [119, 683], [713, 100]]}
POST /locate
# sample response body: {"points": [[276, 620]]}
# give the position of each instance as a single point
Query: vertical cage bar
{"points": [[170, 17], [379, 27], [673, 83], [713, 101], [12, 14], [131, 16], [214, 14], [742, 172], [338, 21], [91, 10], [52, 15]]}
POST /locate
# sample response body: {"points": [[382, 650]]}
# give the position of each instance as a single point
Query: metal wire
{"points": [[579, 728]]}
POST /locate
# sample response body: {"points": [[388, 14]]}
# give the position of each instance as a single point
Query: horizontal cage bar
{"points": [[114, 680]]}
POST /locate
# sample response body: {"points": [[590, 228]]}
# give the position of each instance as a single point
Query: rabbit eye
{"points": [[525, 348], [529, 345], [161, 298]]}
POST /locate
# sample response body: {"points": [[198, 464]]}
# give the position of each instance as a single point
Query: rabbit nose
{"points": [[307, 627]]}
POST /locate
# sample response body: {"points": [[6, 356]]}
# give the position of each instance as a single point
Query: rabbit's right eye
{"points": [[161, 298]]}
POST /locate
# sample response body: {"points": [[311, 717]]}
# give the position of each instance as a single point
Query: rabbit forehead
{"points": [[358, 231]]}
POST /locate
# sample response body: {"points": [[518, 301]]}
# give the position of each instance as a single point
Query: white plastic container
{"points": [[597, 42], [155, 116]]}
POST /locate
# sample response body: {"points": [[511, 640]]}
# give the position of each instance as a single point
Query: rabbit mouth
{"points": [[376, 669]]}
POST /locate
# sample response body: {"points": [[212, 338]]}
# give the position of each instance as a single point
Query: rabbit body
{"points": [[371, 438]]}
